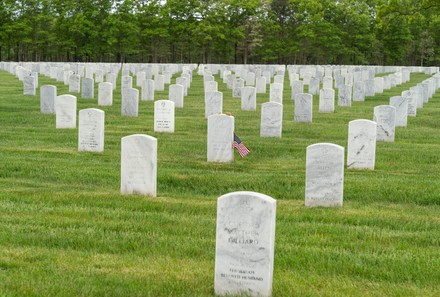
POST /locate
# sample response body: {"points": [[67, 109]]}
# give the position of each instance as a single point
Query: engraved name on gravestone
{"points": [[324, 175], [130, 102], [361, 149], [276, 93], [87, 88], [248, 98], [412, 102], [65, 110], [271, 119], [48, 93], [176, 95], [385, 118], [326, 100], [213, 103], [105, 94], [401, 105], [74, 83], [303, 108], [245, 240], [220, 138], [139, 165], [91, 130], [164, 116]]}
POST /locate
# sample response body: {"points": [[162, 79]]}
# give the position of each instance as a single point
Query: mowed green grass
{"points": [[65, 230]]}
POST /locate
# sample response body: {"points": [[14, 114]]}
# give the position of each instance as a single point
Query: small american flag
{"points": [[241, 148]]}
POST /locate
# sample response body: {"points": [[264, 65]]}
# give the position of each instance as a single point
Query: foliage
{"points": [[403, 32]]}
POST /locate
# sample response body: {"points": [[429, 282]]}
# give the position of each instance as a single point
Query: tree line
{"points": [[356, 32]]}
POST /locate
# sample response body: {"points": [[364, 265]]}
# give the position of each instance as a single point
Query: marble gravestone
{"points": [[140, 77], [105, 94], [139, 165], [29, 88], [369, 87], [401, 105], [74, 83], [183, 82], [87, 88], [271, 119], [378, 85], [418, 93], [65, 111], [147, 90], [210, 86], [261, 85], [159, 83], [237, 86], [411, 98], [314, 86], [327, 82], [220, 138], [176, 95], [276, 93], [297, 88], [91, 130], [111, 78], [245, 240], [344, 95], [303, 108], [130, 103], [164, 116], [213, 103], [361, 149], [48, 93], [326, 100], [248, 98], [385, 118], [324, 175], [359, 91], [126, 83]]}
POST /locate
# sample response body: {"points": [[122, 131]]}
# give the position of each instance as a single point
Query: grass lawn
{"points": [[65, 230]]}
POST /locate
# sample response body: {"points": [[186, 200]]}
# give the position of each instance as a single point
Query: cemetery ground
{"points": [[65, 229]]}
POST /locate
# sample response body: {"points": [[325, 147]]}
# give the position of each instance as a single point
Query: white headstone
{"points": [[245, 238], [326, 100], [237, 86], [48, 93], [130, 102], [314, 86], [276, 93], [29, 87], [210, 86], [65, 110], [303, 108], [147, 90], [359, 91], [213, 103], [344, 95], [297, 88], [164, 116], [87, 88], [324, 175], [159, 83], [385, 118], [361, 149], [378, 85], [139, 165], [176, 95], [105, 94], [74, 83], [271, 119], [220, 138], [91, 130], [248, 98], [401, 105], [411, 98], [327, 82], [261, 85]]}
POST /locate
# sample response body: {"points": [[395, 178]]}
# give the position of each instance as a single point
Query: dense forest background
{"points": [[384, 32]]}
